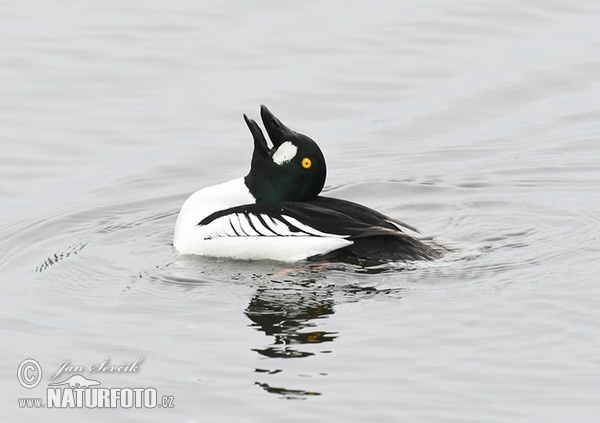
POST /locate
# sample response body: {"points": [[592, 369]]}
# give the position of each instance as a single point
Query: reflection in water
{"points": [[292, 308], [289, 312], [286, 315], [289, 315], [286, 393]]}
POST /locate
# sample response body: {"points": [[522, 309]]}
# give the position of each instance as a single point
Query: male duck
{"points": [[276, 213]]}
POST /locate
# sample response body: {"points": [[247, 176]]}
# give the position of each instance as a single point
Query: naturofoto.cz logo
{"points": [[78, 391]]}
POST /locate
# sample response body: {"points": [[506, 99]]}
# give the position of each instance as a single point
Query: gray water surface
{"points": [[478, 122]]}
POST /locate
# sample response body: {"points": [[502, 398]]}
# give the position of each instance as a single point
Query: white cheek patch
{"points": [[286, 152]]}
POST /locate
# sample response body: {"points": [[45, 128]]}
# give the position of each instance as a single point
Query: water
{"points": [[478, 122]]}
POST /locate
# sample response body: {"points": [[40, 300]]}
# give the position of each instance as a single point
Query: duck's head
{"points": [[293, 170]]}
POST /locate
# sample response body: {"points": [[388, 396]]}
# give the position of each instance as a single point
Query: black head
{"points": [[293, 170]]}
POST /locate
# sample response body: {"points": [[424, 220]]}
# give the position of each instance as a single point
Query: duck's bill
{"points": [[260, 143], [278, 132]]}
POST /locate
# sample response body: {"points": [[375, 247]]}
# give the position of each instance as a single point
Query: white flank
{"points": [[286, 249], [286, 152]]}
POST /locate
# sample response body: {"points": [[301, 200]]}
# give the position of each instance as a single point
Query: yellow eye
{"points": [[306, 163]]}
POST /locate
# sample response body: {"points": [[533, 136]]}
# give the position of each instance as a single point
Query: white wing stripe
{"points": [[308, 229], [270, 223], [235, 222], [249, 225], [245, 224], [259, 226], [279, 227], [229, 231]]}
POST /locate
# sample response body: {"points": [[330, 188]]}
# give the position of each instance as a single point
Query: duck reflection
{"points": [[290, 317], [292, 308], [292, 313]]}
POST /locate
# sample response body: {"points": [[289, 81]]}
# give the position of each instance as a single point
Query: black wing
{"points": [[375, 237], [362, 213], [290, 218]]}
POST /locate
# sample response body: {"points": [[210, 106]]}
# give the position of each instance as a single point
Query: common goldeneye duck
{"points": [[276, 213]]}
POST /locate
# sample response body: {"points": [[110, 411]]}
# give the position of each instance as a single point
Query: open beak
{"points": [[278, 132], [260, 143]]}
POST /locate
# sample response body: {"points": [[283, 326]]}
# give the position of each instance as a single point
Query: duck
{"points": [[276, 213]]}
